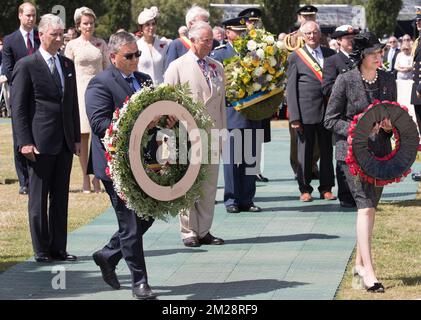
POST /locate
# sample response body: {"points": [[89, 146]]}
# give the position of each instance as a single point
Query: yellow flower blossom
{"points": [[241, 93], [271, 70], [246, 79], [270, 50], [266, 66], [253, 34]]}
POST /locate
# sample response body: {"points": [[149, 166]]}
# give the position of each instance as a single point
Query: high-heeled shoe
{"points": [[357, 280], [376, 288]]}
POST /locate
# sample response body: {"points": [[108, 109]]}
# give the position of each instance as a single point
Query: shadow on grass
{"points": [[404, 203], [408, 281]]}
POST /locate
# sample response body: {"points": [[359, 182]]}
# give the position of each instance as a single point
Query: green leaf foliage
{"points": [[382, 16]]}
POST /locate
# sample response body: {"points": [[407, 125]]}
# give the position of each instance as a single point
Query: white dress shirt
{"points": [[31, 37], [47, 56]]}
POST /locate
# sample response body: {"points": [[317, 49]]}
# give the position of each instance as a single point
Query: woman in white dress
{"points": [[153, 48], [90, 56]]}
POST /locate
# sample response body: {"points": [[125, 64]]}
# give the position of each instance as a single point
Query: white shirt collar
{"points": [[129, 76], [345, 53], [23, 32], [195, 56], [311, 50], [46, 55]]}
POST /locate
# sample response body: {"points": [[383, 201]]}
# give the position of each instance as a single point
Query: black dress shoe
{"points": [[376, 288], [63, 256], [347, 204], [416, 176], [191, 242], [251, 208], [210, 239], [143, 292], [232, 209], [261, 178], [43, 258], [23, 190], [108, 271]]}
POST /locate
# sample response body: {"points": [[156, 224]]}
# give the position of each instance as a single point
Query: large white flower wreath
{"points": [[117, 140]]}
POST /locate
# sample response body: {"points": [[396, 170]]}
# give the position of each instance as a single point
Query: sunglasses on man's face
{"points": [[130, 56]]}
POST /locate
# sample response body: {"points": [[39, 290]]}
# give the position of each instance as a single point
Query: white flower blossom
{"points": [[260, 53], [272, 61], [251, 45], [258, 72], [280, 45], [256, 87], [270, 40], [269, 77]]}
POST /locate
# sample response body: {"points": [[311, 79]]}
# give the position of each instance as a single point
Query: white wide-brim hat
{"points": [[147, 15]]}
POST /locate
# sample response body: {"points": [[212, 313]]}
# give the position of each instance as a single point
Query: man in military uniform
{"points": [[332, 67], [295, 40], [253, 20], [416, 87], [240, 187]]}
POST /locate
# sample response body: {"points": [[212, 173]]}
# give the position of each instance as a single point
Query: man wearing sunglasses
{"points": [[106, 92]]}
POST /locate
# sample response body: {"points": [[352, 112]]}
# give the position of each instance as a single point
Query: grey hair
{"points": [[119, 39], [194, 12], [194, 32], [307, 23], [50, 20]]}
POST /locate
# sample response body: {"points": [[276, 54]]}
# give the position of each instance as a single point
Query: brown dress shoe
{"points": [[211, 240], [306, 197], [327, 196]]}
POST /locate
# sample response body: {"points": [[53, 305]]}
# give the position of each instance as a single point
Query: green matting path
{"points": [[291, 250]]}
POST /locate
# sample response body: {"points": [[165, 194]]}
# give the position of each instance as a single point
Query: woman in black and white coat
{"points": [[352, 93]]}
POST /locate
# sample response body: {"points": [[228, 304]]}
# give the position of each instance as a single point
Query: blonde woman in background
{"points": [[90, 56], [153, 49]]}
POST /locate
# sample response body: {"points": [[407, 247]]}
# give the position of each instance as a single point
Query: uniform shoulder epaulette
{"points": [[220, 47]]}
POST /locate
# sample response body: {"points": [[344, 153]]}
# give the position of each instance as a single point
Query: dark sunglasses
{"points": [[130, 56]]}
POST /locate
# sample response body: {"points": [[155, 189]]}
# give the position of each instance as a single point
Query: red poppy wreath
{"points": [[382, 165]]}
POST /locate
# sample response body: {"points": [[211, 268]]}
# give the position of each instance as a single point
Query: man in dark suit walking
{"points": [[106, 92], [306, 106], [332, 67], [19, 44], [46, 122]]}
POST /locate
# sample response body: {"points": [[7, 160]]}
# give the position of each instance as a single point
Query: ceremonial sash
{"points": [[186, 42], [313, 65]]}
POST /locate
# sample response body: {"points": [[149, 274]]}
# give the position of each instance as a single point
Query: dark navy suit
{"points": [[48, 118], [14, 48], [240, 187], [106, 92]]}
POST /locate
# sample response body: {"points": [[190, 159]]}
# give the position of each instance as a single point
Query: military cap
{"points": [[251, 13], [344, 30], [418, 13], [236, 24], [307, 10]]}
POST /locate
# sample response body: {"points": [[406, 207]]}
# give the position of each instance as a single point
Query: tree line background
{"points": [[112, 15]]}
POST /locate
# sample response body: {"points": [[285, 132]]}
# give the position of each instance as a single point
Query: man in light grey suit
{"points": [[206, 79]]}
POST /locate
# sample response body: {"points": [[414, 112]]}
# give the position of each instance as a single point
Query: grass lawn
{"points": [[15, 240], [396, 251]]}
